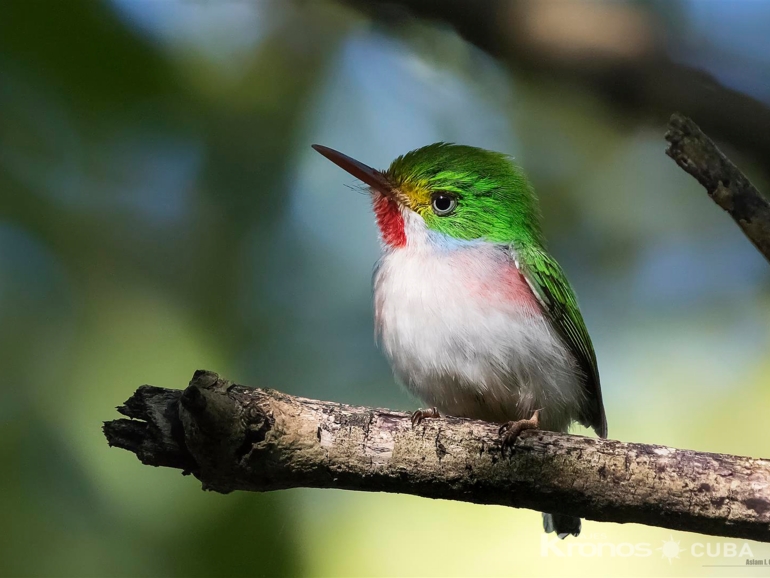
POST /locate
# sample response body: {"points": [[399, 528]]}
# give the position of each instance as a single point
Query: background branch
{"points": [[237, 438], [614, 50], [726, 184]]}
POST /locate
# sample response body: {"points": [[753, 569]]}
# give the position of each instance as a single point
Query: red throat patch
{"points": [[389, 220]]}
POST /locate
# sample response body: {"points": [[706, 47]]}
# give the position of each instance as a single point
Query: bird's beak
{"points": [[367, 174]]}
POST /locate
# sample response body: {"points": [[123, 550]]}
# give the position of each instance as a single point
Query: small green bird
{"points": [[476, 318]]}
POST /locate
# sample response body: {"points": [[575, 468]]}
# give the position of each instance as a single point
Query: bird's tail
{"points": [[561, 524]]}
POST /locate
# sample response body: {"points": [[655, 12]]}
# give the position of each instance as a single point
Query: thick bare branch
{"points": [[237, 438], [726, 184]]}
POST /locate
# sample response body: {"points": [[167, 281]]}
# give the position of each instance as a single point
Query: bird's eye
{"points": [[443, 204]]}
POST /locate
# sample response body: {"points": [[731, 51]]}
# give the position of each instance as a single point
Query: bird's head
{"points": [[446, 192]]}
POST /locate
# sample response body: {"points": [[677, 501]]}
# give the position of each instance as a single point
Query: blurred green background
{"points": [[161, 211]]}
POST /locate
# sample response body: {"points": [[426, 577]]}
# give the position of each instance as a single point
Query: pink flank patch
{"points": [[517, 289], [389, 220], [507, 286]]}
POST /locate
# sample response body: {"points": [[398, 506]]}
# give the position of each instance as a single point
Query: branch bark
{"points": [[237, 438], [727, 186]]}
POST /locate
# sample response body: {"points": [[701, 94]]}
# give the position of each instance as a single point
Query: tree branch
{"points": [[644, 84], [237, 438], [726, 184]]}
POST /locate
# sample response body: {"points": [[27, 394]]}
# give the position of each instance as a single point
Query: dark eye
{"points": [[443, 204]]}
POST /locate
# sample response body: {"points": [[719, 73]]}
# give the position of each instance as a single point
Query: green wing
{"points": [[552, 289]]}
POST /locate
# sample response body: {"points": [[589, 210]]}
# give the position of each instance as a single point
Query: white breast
{"points": [[464, 333]]}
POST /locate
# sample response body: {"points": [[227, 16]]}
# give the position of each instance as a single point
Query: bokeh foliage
{"points": [[160, 212]]}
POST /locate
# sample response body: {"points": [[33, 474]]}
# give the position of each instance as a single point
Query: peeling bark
{"points": [[237, 438]]}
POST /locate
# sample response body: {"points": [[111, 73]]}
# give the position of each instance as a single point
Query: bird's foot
{"points": [[510, 431], [422, 414]]}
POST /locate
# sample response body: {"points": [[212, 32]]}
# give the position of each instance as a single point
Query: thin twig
{"points": [[697, 154]]}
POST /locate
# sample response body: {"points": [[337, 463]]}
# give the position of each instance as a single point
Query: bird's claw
{"points": [[422, 414], [511, 430]]}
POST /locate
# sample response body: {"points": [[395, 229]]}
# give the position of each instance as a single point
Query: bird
{"points": [[475, 316]]}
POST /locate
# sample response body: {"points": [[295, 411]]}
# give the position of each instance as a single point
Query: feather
{"points": [[549, 284]]}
